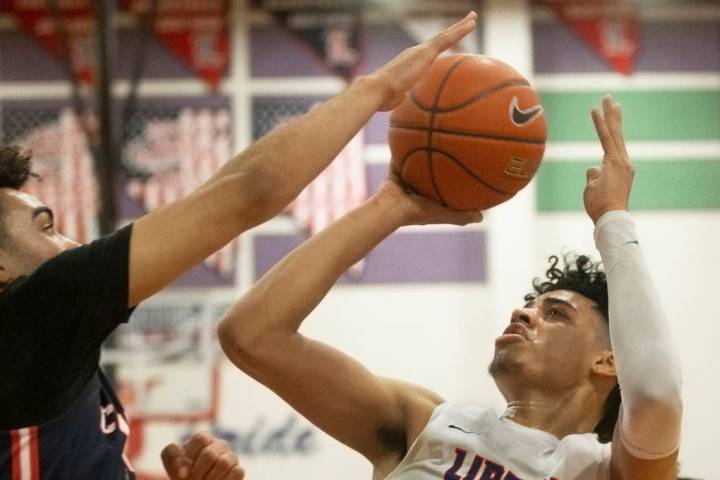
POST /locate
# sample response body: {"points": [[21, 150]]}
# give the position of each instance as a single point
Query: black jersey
{"points": [[59, 417]]}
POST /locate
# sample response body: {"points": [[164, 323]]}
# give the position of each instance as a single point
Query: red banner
{"points": [[194, 30], [67, 33], [332, 30], [609, 27]]}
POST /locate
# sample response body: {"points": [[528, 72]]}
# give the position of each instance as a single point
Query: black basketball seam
{"points": [[440, 89], [472, 174], [470, 134], [484, 93], [430, 168], [456, 160], [431, 129], [432, 179]]}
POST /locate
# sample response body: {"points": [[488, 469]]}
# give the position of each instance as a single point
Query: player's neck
{"points": [[576, 411]]}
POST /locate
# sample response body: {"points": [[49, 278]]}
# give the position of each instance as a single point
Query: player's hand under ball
{"points": [[417, 210]]}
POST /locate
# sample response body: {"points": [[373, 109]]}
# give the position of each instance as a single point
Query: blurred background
{"points": [[129, 105]]}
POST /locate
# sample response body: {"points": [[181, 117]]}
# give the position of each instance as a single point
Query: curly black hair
{"points": [[580, 274], [15, 167]]}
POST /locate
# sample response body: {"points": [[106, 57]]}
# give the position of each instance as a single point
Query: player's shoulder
{"points": [[585, 445], [464, 416]]}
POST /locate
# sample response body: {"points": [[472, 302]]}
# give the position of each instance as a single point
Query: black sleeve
{"points": [[53, 322]]}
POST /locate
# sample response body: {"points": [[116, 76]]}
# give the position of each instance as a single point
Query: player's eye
{"points": [[554, 312], [49, 227]]}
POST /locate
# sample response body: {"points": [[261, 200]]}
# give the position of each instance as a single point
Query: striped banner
{"points": [[171, 157], [25, 456], [336, 191], [67, 183]]}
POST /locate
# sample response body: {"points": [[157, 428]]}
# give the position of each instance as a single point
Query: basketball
{"points": [[470, 134]]}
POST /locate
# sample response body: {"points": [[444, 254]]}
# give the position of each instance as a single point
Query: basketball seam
{"points": [[473, 174], [470, 134], [440, 89], [431, 129], [488, 91], [432, 177]]}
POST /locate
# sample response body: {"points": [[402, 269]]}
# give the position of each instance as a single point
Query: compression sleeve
{"points": [[647, 363]]}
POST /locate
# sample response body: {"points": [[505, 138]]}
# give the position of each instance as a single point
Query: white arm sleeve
{"points": [[647, 362]]}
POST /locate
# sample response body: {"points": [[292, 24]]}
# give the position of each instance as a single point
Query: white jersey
{"points": [[472, 443]]}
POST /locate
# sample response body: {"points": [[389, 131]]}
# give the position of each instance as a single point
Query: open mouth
{"points": [[513, 332]]}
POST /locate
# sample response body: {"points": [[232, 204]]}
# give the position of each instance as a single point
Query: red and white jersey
{"points": [[473, 443]]}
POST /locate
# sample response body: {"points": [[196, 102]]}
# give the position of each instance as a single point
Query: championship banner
{"points": [[67, 32], [194, 30], [609, 27], [171, 157], [332, 30], [63, 163]]}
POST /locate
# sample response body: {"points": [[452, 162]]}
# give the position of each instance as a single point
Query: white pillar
{"points": [[511, 226], [240, 78]]}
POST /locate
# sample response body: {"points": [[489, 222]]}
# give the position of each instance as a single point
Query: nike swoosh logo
{"points": [[463, 430], [632, 241], [522, 117]]}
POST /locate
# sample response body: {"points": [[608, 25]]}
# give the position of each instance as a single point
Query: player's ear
{"points": [[5, 275], [604, 364]]}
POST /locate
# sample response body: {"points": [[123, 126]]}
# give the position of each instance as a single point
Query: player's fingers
{"points": [[464, 217], [610, 114], [237, 473], [602, 132], [592, 173], [176, 464], [620, 135], [195, 444], [453, 34], [224, 464], [207, 458]]}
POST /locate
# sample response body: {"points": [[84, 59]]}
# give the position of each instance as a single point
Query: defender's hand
{"points": [[201, 457], [608, 188], [418, 210], [399, 75]]}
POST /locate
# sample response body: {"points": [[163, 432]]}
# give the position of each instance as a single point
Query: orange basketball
{"points": [[470, 134]]}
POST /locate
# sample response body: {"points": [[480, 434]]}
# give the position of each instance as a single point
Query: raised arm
{"points": [[259, 182], [647, 435], [375, 416]]}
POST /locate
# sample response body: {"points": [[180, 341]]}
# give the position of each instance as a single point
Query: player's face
{"points": [[30, 237], [554, 342]]}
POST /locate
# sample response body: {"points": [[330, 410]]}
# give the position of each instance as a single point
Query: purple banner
{"points": [[403, 257]]}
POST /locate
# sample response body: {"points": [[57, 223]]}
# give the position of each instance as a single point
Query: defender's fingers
{"points": [[610, 116], [621, 136], [453, 34], [208, 458], [602, 132], [195, 444], [592, 173], [237, 473], [176, 464], [223, 467]]}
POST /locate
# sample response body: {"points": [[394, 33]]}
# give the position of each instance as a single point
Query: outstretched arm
{"points": [[647, 435], [373, 415], [262, 180]]}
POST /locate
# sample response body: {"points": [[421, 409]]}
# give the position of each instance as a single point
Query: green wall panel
{"points": [[648, 114], [659, 184]]}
